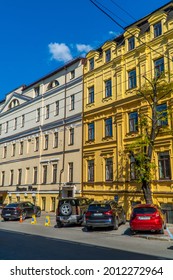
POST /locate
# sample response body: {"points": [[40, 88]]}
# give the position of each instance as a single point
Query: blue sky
{"points": [[38, 36]]}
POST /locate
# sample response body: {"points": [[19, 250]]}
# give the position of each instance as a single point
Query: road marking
{"points": [[170, 234]]}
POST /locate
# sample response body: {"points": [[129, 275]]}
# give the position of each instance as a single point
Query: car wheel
{"points": [[133, 232], [38, 214], [66, 209], [23, 215], [6, 219], [124, 219], [165, 226], [88, 228], [59, 225], [162, 230], [115, 227]]}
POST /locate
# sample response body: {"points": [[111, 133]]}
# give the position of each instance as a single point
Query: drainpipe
{"points": [[64, 135]]}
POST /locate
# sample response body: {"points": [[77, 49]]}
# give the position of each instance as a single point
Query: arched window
{"points": [[52, 84], [13, 103]]}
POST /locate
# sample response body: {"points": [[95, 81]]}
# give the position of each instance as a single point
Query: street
{"points": [[37, 241]]}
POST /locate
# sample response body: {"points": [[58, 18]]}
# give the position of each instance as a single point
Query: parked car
{"points": [[104, 214], [71, 210], [1, 207], [15, 210], [147, 217]]}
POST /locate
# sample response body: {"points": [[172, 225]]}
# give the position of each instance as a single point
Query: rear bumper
{"points": [[146, 227], [10, 217], [102, 223], [73, 219]]}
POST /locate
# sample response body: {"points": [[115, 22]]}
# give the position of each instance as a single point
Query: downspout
{"points": [[64, 135], [82, 115]]}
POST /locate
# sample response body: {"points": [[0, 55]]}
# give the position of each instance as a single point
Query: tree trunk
{"points": [[147, 192]]}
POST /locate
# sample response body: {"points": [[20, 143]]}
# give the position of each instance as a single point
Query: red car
{"points": [[147, 217]]}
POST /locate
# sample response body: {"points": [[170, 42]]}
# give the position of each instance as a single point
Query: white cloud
{"points": [[60, 52], [83, 48], [113, 33]]}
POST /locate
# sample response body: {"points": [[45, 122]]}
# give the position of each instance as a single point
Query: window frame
{"points": [[90, 169], [132, 81], [109, 169], [133, 122], [108, 88], [108, 127], [164, 163], [91, 131]]}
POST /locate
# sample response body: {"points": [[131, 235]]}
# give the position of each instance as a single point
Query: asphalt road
{"points": [[35, 241], [16, 246]]}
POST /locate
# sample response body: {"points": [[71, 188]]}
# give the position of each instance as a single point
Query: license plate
{"points": [[144, 218], [97, 214]]}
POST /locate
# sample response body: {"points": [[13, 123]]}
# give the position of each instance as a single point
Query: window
{"points": [[22, 120], [21, 148], [47, 109], [108, 55], [6, 127], [36, 144], [38, 115], [44, 174], [0, 129], [109, 169], [108, 88], [70, 168], [5, 152], [19, 176], [72, 101], [108, 127], [91, 64], [91, 95], [13, 104], [46, 142], [55, 143], [133, 175], [35, 172], [131, 43], [54, 177], [132, 79], [90, 170], [52, 84], [11, 177], [91, 131], [2, 178], [37, 91], [72, 74], [57, 108], [162, 116], [157, 29], [13, 150], [158, 67], [71, 142], [164, 166], [15, 123], [133, 122]]}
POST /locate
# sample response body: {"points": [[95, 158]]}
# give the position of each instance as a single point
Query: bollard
{"points": [[47, 221], [33, 220], [21, 219]]}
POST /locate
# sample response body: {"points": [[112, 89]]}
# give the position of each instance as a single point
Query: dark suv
{"points": [[104, 214], [71, 210], [25, 209]]}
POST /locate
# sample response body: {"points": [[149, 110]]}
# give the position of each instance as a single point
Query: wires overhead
{"points": [[102, 8]]}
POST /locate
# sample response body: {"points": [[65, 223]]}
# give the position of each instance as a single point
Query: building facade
{"points": [[41, 138], [112, 76]]}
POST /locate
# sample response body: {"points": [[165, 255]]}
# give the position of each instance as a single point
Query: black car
{"points": [[104, 214], [71, 210], [15, 210]]}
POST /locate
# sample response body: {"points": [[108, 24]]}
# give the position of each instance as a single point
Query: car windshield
{"points": [[144, 210], [99, 207]]}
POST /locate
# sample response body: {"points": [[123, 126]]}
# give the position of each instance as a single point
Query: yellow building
{"points": [[112, 75]]}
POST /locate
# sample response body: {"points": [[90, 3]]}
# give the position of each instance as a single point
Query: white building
{"points": [[41, 138]]}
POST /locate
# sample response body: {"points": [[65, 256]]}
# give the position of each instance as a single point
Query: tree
{"points": [[150, 125]]}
